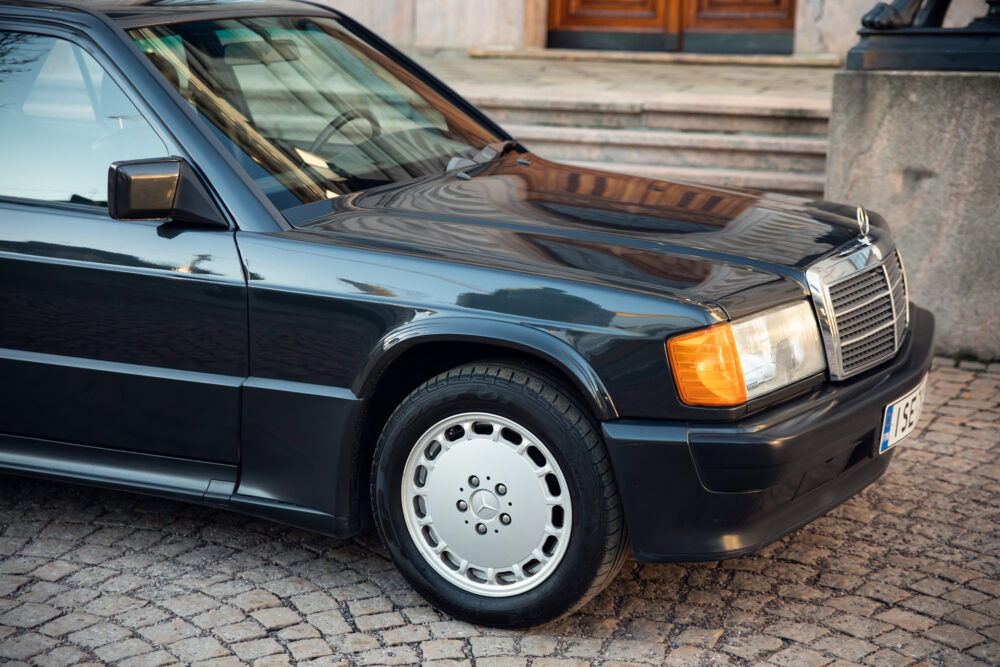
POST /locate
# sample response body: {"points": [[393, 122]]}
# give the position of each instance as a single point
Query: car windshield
{"points": [[309, 109]]}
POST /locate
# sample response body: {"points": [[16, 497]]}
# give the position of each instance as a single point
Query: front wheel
{"points": [[494, 495]]}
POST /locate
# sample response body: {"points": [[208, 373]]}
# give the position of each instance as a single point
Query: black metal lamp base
{"points": [[975, 48]]}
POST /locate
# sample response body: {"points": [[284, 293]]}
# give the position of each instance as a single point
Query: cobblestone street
{"points": [[907, 572]]}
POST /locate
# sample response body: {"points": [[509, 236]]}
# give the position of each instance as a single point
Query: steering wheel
{"points": [[343, 119]]}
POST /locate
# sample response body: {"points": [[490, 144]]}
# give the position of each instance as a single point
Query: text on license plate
{"points": [[901, 417]]}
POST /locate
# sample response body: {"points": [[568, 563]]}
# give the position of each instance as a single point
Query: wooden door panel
{"points": [[711, 26], [614, 15], [739, 15]]}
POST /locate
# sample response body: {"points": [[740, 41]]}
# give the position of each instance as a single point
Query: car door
{"points": [[123, 335]]}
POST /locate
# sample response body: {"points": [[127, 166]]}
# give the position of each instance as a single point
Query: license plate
{"points": [[901, 417]]}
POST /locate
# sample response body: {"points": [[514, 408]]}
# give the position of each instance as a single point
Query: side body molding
{"points": [[299, 448], [544, 345]]}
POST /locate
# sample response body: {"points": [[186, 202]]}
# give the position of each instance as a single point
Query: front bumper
{"points": [[710, 491]]}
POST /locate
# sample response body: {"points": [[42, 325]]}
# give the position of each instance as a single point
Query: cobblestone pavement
{"points": [[907, 572]]}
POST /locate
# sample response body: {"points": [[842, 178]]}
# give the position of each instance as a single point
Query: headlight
{"points": [[778, 347], [730, 363]]}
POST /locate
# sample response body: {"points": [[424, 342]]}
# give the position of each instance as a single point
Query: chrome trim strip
{"points": [[869, 334], [827, 324], [896, 335], [906, 287], [880, 295]]}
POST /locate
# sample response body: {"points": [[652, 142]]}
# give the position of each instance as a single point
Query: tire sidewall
{"points": [[562, 590]]}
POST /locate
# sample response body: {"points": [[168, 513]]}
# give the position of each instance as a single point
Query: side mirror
{"points": [[160, 189]]}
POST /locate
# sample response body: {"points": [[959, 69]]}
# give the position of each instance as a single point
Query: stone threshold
{"points": [[638, 102], [665, 138], [829, 60]]}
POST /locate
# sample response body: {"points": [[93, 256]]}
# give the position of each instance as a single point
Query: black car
{"points": [[253, 256]]}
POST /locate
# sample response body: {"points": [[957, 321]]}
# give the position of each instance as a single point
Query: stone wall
{"points": [[922, 149], [831, 26], [442, 24], [393, 20]]}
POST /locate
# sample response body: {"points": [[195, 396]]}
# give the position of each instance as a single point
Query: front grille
{"points": [[869, 315]]}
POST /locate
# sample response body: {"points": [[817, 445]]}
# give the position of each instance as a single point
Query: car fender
{"points": [[523, 338]]}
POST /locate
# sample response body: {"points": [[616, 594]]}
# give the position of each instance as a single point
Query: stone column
{"points": [[923, 149]]}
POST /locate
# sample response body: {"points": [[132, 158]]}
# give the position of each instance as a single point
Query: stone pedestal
{"points": [[923, 149]]}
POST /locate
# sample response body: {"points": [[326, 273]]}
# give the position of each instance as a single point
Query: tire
{"points": [[494, 495]]}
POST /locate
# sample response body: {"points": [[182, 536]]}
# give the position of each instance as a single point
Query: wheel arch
{"points": [[468, 339], [412, 355]]}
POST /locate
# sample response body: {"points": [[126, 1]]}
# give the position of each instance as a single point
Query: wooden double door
{"points": [[712, 26]]}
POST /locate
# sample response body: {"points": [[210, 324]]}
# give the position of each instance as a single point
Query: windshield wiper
{"points": [[487, 153], [491, 152]]}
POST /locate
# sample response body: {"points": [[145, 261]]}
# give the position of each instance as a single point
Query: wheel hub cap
{"points": [[486, 504]]}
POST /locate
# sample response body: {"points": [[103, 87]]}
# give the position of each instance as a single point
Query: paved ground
{"points": [[529, 78], [908, 571]]}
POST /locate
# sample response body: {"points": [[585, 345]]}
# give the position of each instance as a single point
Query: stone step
{"points": [[824, 60], [675, 149], [809, 185], [688, 112]]}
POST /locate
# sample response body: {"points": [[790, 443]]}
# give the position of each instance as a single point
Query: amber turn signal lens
{"points": [[706, 367]]}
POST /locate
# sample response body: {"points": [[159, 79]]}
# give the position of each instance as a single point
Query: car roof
{"points": [[133, 13]]}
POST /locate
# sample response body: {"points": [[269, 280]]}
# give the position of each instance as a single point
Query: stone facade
{"points": [[831, 26], [428, 25], [821, 26], [921, 147]]}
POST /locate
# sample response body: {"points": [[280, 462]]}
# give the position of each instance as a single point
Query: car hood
{"points": [[733, 248]]}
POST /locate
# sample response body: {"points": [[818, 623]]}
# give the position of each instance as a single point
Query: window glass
{"points": [[308, 109], [63, 121]]}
